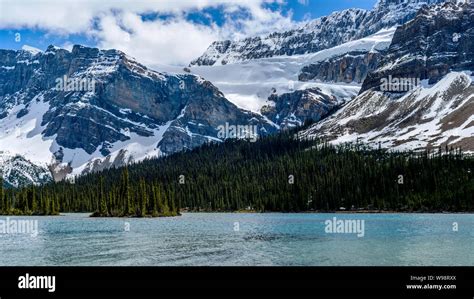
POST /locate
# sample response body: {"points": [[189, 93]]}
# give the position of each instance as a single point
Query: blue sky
{"points": [[169, 32], [318, 8]]}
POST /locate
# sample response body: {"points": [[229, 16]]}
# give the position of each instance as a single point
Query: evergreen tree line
{"points": [[276, 173], [27, 201]]}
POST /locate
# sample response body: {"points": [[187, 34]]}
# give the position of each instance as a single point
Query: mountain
{"points": [[439, 40], [131, 113], [86, 109], [291, 110], [17, 171], [257, 84], [351, 67], [422, 94], [66, 113], [323, 33]]}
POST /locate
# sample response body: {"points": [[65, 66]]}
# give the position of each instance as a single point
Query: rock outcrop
{"points": [[439, 40], [290, 110], [323, 33], [348, 68], [436, 113], [89, 104]]}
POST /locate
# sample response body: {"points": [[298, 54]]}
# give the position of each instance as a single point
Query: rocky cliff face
{"points": [[86, 110], [347, 68], [290, 110], [323, 33], [437, 112], [439, 40], [17, 171], [425, 118], [82, 106]]}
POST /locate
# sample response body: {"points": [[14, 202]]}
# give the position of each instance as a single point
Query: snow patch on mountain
{"points": [[249, 84], [427, 117], [23, 135], [136, 149], [322, 33], [31, 49], [16, 171]]}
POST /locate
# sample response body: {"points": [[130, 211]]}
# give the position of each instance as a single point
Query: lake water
{"points": [[197, 239]]}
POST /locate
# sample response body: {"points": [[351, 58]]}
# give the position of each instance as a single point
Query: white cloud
{"points": [[164, 42], [118, 24], [262, 21]]}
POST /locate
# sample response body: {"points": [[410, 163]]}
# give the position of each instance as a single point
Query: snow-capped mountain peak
{"points": [[31, 49], [88, 109], [316, 35], [421, 96]]}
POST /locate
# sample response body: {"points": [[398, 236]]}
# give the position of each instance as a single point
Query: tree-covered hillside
{"points": [[276, 173]]}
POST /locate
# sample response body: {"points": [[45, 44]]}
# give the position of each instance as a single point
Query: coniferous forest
{"points": [[276, 173]]}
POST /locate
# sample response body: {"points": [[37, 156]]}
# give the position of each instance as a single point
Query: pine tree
{"points": [[143, 198], [126, 193], [53, 210], [102, 198], [155, 200], [34, 203], [2, 197]]}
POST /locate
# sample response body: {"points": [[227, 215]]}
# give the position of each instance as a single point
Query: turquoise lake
{"points": [[237, 239]]}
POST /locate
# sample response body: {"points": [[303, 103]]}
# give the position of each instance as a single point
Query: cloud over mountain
{"points": [[166, 32]]}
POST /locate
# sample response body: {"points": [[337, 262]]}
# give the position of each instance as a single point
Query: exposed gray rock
{"points": [[348, 68], [439, 40], [294, 109], [323, 33], [114, 98], [17, 171], [435, 114]]}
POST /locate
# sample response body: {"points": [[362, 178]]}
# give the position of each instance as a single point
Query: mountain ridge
{"points": [[434, 110], [87, 110], [319, 34], [68, 108]]}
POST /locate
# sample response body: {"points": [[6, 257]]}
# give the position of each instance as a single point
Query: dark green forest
{"points": [[276, 173]]}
